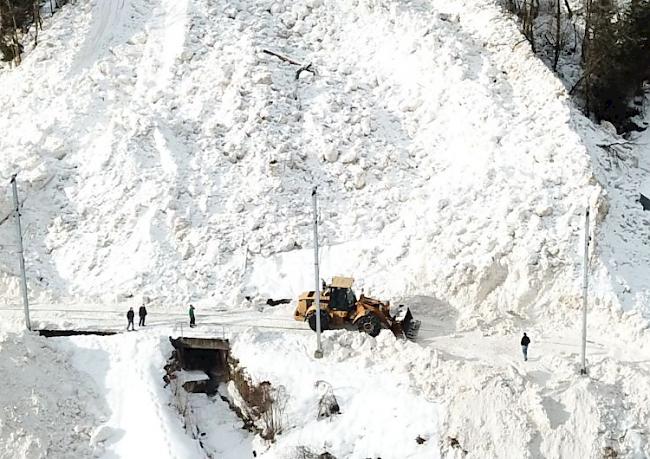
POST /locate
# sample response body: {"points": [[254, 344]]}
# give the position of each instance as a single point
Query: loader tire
{"points": [[324, 321], [369, 324]]}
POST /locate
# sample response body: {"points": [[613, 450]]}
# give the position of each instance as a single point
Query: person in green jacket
{"points": [[192, 318]]}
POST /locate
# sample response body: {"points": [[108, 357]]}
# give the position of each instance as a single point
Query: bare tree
{"points": [[15, 43], [568, 8], [527, 11], [36, 18], [599, 47], [558, 35], [16, 17]]}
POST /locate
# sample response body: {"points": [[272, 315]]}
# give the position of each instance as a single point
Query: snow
{"points": [[644, 189], [185, 376], [128, 371], [172, 159], [221, 430], [136, 418], [48, 408], [381, 414], [466, 386], [164, 158], [540, 407]]}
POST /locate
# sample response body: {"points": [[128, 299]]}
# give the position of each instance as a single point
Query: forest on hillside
{"points": [[599, 48]]}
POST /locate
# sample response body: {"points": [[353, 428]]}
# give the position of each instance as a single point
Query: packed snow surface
{"points": [[128, 372]]}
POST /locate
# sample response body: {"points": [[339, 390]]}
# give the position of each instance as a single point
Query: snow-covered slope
{"points": [[162, 153], [465, 395], [48, 408]]}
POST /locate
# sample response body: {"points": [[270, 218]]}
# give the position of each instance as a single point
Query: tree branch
{"points": [[302, 67]]}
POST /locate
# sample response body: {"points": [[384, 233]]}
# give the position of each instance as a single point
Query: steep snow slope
{"points": [[625, 169], [163, 154]]}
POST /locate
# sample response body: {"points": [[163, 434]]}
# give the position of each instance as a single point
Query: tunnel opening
{"points": [[199, 374], [199, 364]]}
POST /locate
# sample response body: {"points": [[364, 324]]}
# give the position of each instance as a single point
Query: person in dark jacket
{"points": [[142, 312], [129, 316], [192, 318], [525, 341]]}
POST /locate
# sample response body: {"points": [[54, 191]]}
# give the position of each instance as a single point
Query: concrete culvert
{"points": [[196, 356]]}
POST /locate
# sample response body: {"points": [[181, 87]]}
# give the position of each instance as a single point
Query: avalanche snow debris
{"points": [[398, 106], [455, 167], [49, 409]]}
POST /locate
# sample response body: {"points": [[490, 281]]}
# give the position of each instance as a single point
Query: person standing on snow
{"points": [[142, 312], [525, 341], [129, 316], [192, 318]]}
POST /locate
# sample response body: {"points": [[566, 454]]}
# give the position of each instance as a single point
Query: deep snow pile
{"points": [[382, 412], [47, 407], [163, 154], [106, 397], [468, 396]]}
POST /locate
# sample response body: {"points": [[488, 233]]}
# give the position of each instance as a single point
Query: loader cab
{"points": [[342, 298]]}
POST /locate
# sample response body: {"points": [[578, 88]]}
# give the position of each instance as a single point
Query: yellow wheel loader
{"points": [[339, 306]]}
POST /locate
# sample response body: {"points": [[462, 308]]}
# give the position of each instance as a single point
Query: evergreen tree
{"points": [[600, 54], [636, 35]]}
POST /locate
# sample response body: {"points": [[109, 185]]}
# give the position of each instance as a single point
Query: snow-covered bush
{"points": [[327, 405], [302, 452]]}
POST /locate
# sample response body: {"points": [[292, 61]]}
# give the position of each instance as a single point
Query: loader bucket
{"points": [[404, 325]]}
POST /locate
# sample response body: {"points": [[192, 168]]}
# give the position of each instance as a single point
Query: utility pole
{"points": [[21, 258], [319, 350], [585, 288]]}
